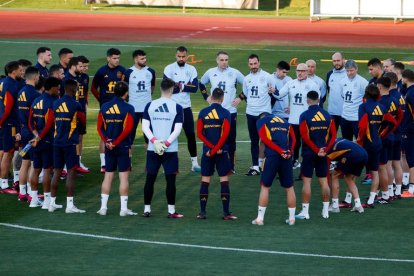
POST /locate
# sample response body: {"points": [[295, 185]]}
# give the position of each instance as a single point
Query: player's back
{"points": [[10, 87], [276, 130], [66, 131], [343, 146], [408, 122], [42, 111], [371, 114], [25, 100]]}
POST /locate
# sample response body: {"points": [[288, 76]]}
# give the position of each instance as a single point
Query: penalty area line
{"points": [[233, 249]]}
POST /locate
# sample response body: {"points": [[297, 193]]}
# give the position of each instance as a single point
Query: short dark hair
{"points": [[31, 72], [221, 53], [283, 65], [312, 95], [371, 92], [374, 62], [408, 74], [73, 62], [24, 62], [83, 59], [52, 82], [391, 60], [121, 88], [392, 76], [138, 52], [64, 51], [42, 50], [217, 94], [54, 68], [70, 85], [11, 67], [167, 84], [384, 81], [399, 65], [181, 49], [40, 84], [252, 56], [113, 52]]}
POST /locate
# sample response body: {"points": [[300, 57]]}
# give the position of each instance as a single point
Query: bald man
{"points": [[318, 80]]}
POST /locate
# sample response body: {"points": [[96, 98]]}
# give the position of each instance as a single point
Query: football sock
{"points": [[124, 202], [398, 189], [149, 188], [29, 189], [102, 157], [4, 183], [391, 190], [406, 177], [34, 195], [357, 202], [194, 161], [170, 190], [16, 176], [256, 168], [292, 212], [385, 195], [52, 201], [261, 160], [305, 208], [325, 205], [171, 209], [203, 196], [225, 196], [47, 197], [371, 198], [261, 212], [147, 208], [104, 201], [335, 203], [348, 197], [69, 202], [22, 189]]}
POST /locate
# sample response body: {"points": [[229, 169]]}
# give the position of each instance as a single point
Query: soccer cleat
{"points": [[344, 204], [175, 216], [201, 216], [23, 197], [397, 197], [358, 209], [368, 206], [146, 214], [127, 212], [252, 172], [82, 170], [46, 204], [302, 216], [102, 211], [53, 207], [367, 180], [196, 168], [10, 191], [74, 210], [290, 222], [257, 222], [383, 201], [407, 194], [35, 203], [103, 169], [63, 174], [296, 164], [333, 210], [325, 213], [229, 216]]}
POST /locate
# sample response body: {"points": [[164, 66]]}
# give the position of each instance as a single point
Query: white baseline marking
{"points": [[203, 246], [193, 47]]}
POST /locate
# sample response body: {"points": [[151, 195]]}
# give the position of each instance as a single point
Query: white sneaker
{"points": [[74, 210], [196, 168], [359, 209], [325, 213], [35, 203], [46, 203], [290, 222], [127, 212], [301, 215], [257, 222], [296, 164], [83, 166], [102, 211], [53, 207], [333, 210]]}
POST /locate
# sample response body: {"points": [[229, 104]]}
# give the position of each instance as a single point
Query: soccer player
{"points": [[26, 97], [213, 128], [44, 58], [115, 124], [185, 77], [375, 70], [9, 121], [226, 78], [258, 86], [353, 90], [281, 107], [408, 129], [162, 122], [82, 98], [40, 122], [103, 84], [297, 90], [279, 138], [141, 80], [65, 54], [318, 80], [399, 67], [65, 145], [57, 71], [351, 159], [333, 83], [318, 132]]}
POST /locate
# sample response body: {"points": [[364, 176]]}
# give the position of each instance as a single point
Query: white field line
{"points": [[234, 249], [141, 145], [68, 43], [4, 4]]}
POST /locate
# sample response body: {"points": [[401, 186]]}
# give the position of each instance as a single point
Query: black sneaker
{"points": [[146, 214], [404, 187], [383, 201], [201, 216], [252, 172]]}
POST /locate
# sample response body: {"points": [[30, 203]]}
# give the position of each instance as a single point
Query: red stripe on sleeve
{"points": [[129, 124], [8, 106], [200, 127], [304, 132], [49, 120], [363, 126], [269, 143], [100, 128], [332, 130]]}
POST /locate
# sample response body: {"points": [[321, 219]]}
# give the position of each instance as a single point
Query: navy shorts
{"points": [[349, 129], [118, 158], [396, 150], [42, 156], [386, 152], [68, 155], [310, 163], [9, 139], [276, 164], [352, 162], [408, 148], [169, 161], [220, 161], [81, 129], [373, 160]]}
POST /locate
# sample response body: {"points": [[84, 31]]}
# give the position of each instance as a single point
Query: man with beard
{"points": [[44, 57]]}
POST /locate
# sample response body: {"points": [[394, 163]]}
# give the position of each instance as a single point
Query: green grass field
{"points": [[88, 244]]}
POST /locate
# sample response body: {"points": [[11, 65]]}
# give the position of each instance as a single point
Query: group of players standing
{"points": [[47, 109]]}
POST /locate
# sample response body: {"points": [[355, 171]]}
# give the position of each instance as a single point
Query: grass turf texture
{"points": [[378, 233]]}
